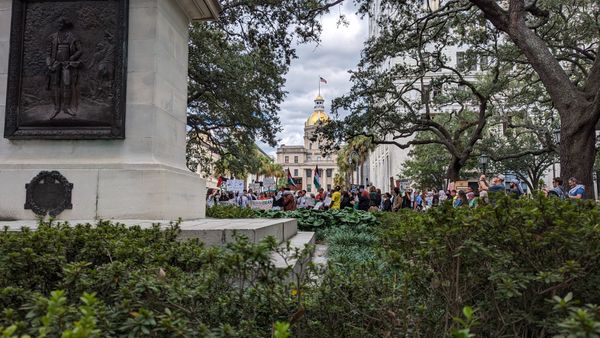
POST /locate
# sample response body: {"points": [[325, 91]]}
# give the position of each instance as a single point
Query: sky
{"points": [[338, 52]]}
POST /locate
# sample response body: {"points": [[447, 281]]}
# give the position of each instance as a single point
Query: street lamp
{"points": [[556, 137], [353, 159], [483, 161]]}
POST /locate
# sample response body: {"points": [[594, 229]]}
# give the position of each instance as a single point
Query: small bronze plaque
{"points": [[48, 193], [67, 70]]}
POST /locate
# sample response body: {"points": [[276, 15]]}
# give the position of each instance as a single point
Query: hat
{"points": [[500, 177]]}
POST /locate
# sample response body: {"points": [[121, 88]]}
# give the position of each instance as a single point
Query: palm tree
{"points": [[359, 148]]}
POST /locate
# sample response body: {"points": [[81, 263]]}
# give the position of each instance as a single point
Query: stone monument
{"points": [[93, 98]]}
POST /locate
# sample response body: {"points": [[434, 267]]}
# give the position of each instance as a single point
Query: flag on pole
{"points": [[322, 80], [290, 178], [317, 178]]}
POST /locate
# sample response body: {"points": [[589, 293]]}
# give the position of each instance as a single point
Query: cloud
{"points": [[338, 52]]}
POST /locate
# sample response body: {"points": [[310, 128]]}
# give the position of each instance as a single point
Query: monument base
{"points": [[111, 191]]}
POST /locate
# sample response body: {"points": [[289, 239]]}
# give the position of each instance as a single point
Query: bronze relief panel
{"points": [[67, 70]]}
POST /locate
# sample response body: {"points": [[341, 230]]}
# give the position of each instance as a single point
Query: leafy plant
{"points": [[229, 211], [317, 220]]}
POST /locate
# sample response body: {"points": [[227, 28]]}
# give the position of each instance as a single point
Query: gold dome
{"points": [[319, 98], [317, 116]]}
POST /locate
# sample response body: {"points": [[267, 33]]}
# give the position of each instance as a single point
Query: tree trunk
{"points": [[578, 150], [453, 172]]}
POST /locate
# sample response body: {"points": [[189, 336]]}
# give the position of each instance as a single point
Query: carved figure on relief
{"points": [[63, 61]]}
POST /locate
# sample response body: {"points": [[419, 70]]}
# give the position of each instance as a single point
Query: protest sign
{"points": [[262, 204], [269, 184], [235, 185]]}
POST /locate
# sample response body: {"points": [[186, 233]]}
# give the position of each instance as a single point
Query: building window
{"points": [[308, 158], [295, 159], [329, 172], [308, 188], [318, 158], [287, 159], [295, 172], [320, 172], [308, 172], [329, 187], [310, 146]]}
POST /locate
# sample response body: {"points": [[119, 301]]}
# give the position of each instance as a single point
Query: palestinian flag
{"points": [[317, 178], [220, 181], [290, 178]]}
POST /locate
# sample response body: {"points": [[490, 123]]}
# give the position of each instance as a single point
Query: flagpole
{"points": [[319, 85]]}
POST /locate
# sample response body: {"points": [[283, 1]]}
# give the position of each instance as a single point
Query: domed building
{"points": [[302, 159]]}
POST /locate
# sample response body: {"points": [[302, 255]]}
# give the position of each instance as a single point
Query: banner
{"points": [[254, 186], [230, 202], [262, 204]]}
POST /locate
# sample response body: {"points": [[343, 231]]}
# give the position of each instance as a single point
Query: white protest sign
{"points": [[262, 204], [255, 187], [235, 185], [269, 183]]}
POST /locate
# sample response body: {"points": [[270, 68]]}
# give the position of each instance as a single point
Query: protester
{"points": [[406, 200], [498, 184], [301, 201], [211, 197], [396, 200], [516, 190], [483, 184], [336, 198], [461, 200], [417, 201], [557, 189], [374, 197], [364, 201], [346, 200], [387, 202], [436, 199], [577, 191], [289, 202], [442, 196], [471, 199]]}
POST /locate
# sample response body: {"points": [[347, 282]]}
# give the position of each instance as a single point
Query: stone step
{"points": [[211, 231], [288, 259]]}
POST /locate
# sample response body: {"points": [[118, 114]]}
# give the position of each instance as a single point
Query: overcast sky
{"points": [[338, 52]]}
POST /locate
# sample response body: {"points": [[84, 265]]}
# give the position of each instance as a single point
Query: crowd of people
{"points": [[372, 199]]}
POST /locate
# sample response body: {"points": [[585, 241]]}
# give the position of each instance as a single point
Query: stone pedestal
{"points": [[144, 175]]}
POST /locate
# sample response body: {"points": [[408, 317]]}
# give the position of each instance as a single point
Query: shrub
{"points": [[119, 281], [506, 261], [229, 211]]}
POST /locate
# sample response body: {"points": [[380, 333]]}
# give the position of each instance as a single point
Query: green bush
{"points": [[315, 220], [521, 268], [507, 261], [119, 281], [229, 211]]}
